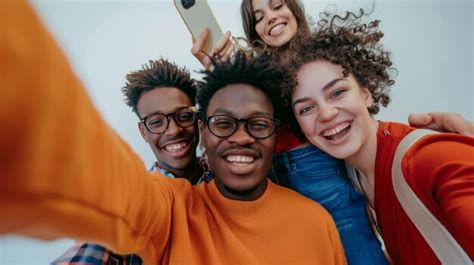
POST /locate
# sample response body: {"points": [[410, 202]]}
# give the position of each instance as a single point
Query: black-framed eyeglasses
{"points": [[158, 122], [259, 127]]}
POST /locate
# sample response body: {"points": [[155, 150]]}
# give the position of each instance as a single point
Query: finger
{"points": [[419, 119], [453, 122], [224, 51], [228, 53], [207, 63], [228, 45], [443, 121], [201, 57], [221, 43], [199, 43]]}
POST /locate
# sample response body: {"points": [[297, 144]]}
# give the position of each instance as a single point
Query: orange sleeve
{"points": [[339, 256], [441, 173], [64, 171]]}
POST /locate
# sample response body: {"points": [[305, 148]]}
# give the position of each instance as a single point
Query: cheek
{"points": [[210, 143], [151, 138], [293, 24], [191, 131], [305, 123], [269, 144], [259, 29]]}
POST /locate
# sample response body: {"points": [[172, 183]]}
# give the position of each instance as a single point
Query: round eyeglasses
{"points": [[259, 127], [158, 123]]}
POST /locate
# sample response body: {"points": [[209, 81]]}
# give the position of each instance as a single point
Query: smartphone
{"points": [[197, 15]]}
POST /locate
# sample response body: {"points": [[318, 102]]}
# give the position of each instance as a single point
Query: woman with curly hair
{"points": [[343, 75]]}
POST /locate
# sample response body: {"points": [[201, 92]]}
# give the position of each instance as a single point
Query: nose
{"points": [[241, 137], [272, 16], [173, 128], [327, 112]]}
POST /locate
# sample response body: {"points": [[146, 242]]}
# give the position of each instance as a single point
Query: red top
{"points": [[440, 170], [286, 140]]}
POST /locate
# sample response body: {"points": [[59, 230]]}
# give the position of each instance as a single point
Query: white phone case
{"points": [[197, 17]]}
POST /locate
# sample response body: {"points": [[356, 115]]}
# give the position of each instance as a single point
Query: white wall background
{"points": [[432, 44]]}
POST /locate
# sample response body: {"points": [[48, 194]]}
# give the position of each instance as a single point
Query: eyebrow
{"points": [[175, 109], [325, 87], [227, 112]]}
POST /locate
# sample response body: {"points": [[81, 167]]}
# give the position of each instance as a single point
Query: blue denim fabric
{"points": [[322, 178]]}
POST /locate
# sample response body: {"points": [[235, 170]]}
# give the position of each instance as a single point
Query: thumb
{"points": [[419, 119]]}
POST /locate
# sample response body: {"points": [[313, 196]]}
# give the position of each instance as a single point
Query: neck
{"points": [[192, 172], [364, 162], [248, 194]]}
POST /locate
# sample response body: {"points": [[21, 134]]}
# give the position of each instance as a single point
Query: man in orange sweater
{"points": [[97, 189]]}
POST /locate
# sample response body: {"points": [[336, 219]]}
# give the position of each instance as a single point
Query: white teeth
{"points": [[240, 159], [336, 130], [175, 147], [277, 29]]}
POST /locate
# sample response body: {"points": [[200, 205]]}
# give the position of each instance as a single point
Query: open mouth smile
{"points": [[176, 147], [239, 159], [337, 132], [241, 162], [277, 29]]}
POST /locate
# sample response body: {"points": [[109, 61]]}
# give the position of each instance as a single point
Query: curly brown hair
{"points": [[346, 41], [159, 73]]}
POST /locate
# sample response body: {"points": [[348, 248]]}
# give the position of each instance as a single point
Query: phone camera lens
{"points": [[187, 3]]}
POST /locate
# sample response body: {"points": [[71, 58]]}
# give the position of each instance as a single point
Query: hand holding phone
{"points": [[222, 51], [197, 15]]}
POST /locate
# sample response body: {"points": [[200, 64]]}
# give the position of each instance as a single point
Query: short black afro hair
{"points": [[260, 71]]}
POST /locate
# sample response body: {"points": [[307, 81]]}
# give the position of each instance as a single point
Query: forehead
{"points": [[162, 99], [258, 5], [241, 101], [318, 73]]}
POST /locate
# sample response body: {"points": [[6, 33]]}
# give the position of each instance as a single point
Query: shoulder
{"points": [[395, 130], [439, 161], [440, 149]]}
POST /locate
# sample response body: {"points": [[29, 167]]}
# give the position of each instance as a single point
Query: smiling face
{"points": [[332, 109], [175, 149], [274, 22], [240, 162]]}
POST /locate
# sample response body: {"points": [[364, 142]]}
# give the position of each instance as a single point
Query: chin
{"points": [[341, 153]]}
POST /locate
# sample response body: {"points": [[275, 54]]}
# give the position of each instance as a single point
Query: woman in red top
{"points": [[343, 75]]}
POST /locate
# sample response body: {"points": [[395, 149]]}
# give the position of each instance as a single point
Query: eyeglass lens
{"points": [[159, 122], [258, 127]]}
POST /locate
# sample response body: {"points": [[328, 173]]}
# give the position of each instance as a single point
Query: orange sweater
{"points": [[66, 173]]}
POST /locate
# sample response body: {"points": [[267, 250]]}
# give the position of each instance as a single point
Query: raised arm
{"points": [[440, 170], [65, 173], [222, 51], [442, 121]]}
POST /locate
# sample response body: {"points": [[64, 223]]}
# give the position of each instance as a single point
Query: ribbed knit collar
{"points": [[242, 209]]}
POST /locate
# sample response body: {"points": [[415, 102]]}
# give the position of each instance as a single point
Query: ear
{"points": [[142, 129], [202, 132], [367, 97]]}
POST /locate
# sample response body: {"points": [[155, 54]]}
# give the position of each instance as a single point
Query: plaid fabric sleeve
{"points": [[90, 254]]}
